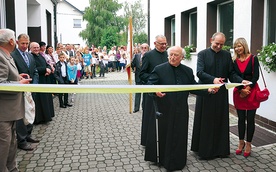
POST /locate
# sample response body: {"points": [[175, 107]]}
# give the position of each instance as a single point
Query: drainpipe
{"points": [[149, 22], [55, 22]]}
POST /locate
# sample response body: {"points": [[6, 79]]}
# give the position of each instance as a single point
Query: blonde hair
{"points": [[243, 42]]}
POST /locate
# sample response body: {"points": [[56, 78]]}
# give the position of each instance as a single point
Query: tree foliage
{"points": [[138, 17], [110, 37], [140, 38], [138, 20], [106, 28], [100, 15]]}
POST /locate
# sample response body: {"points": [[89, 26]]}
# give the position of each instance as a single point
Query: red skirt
{"points": [[78, 73], [247, 103]]}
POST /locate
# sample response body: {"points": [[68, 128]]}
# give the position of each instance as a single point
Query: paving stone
{"points": [[99, 134]]}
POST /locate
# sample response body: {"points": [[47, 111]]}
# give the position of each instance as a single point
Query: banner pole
{"points": [[130, 59]]}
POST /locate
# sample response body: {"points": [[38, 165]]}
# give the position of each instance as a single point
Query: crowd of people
{"points": [[165, 115], [38, 63]]}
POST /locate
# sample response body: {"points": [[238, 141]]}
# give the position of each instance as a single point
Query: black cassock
{"points": [[210, 137], [173, 124], [150, 60], [44, 108]]}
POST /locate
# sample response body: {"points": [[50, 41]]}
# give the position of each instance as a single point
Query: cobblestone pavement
{"points": [[99, 134]]}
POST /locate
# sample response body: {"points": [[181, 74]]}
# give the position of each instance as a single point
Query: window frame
{"points": [[75, 24], [219, 19], [191, 30]]}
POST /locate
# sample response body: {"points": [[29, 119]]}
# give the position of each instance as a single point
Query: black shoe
{"points": [[135, 111], [62, 106], [31, 140], [26, 147], [68, 105]]}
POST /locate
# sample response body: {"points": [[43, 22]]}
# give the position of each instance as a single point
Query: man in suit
{"points": [[12, 103], [136, 65], [25, 64], [69, 51]]}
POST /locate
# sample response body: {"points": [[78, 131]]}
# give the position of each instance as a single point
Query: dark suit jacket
{"points": [[136, 67], [58, 74], [70, 53], [12, 103], [22, 66]]}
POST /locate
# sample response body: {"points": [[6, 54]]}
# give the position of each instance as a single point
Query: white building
{"points": [[34, 17], [50, 21], [69, 23], [186, 22]]}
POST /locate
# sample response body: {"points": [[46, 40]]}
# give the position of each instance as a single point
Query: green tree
{"points": [[140, 38], [138, 20], [100, 15], [110, 37], [138, 17]]}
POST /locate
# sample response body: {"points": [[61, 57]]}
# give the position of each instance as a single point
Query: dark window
{"points": [[271, 13], [226, 11], [170, 30], [173, 31], [193, 29]]}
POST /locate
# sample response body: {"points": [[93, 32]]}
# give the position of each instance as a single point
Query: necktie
{"points": [[25, 57], [141, 60]]}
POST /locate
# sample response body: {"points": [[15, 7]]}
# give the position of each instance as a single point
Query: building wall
{"points": [[32, 14], [21, 16], [65, 31], [46, 5], [242, 28]]}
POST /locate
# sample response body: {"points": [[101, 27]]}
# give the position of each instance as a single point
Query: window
{"points": [[271, 21], [193, 29], [173, 31], [170, 30], [77, 23], [225, 20]]}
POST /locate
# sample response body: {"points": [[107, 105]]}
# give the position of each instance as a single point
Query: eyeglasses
{"points": [[144, 47], [163, 44]]}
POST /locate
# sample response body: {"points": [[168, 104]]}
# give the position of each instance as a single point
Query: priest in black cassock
{"points": [[151, 59], [44, 107], [173, 124], [210, 137]]}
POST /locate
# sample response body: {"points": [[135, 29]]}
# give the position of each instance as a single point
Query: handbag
{"points": [[262, 95], [29, 116]]}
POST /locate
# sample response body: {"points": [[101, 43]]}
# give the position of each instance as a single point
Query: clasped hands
{"points": [[245, 92], [48, 71]]}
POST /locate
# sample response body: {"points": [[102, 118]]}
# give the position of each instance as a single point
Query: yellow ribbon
{"points": [[52, 88]]}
